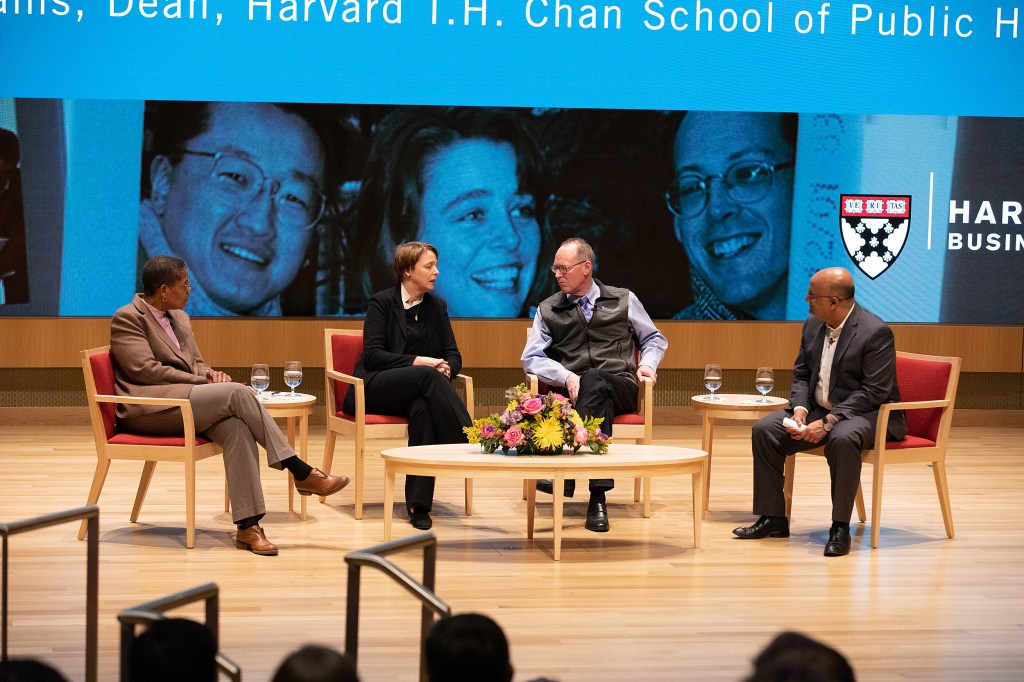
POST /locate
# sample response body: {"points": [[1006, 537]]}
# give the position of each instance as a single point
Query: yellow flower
{"points": [[547, 433]]}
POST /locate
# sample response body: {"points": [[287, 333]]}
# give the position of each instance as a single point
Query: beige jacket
{"points": [[146, 363]]}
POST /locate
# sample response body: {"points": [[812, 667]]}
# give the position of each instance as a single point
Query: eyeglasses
{"points": [[745, 182], [564, 269], [298, 204]]}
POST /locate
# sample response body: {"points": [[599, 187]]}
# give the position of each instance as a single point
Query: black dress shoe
{"points": [[838, 541], [420, 520], [544, 485], [766, 527], [597, 517]]}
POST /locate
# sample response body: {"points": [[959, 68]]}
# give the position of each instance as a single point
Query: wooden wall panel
{"points": [[55, 342]]}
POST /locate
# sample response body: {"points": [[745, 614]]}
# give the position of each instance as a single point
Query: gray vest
{"points": [[605, 343]]}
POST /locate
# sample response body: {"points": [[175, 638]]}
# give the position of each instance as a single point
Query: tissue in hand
{"points": [[790, 424]]}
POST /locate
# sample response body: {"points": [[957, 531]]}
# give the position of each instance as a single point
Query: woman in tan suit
{"points": [[155, 355]]}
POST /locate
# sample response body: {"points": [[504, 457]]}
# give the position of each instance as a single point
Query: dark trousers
{"points": [[436, 415], [771, 445], [605, 395]]}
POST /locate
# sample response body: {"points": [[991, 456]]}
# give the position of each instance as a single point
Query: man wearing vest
{"points": [[583, 338]]}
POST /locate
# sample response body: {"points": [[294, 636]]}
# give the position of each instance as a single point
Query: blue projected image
{"points": [[732, 210]]}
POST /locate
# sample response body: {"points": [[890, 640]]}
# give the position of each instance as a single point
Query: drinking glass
{"points": [[293, 374], [713, 379], [764, 382], [260, 379]]}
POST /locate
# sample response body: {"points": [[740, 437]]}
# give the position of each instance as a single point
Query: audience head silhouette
{"points": [[469, 647], [172, 650], [314, 663], [28, 670], [793, 657]]}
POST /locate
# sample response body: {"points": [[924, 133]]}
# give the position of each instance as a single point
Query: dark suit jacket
{"points": [[146, 363], [384, 337], [863, 369]]}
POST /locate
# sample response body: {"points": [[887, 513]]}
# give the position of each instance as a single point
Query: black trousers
{"points": [[436, 415], [605, 395], [843, 445]]}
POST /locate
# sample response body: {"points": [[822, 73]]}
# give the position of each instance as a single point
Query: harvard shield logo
{"points": [[874, 230]]}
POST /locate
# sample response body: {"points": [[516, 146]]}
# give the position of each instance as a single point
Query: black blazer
{"points": [[384, 337], [863, 369]]}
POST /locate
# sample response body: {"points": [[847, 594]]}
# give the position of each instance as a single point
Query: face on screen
{"points": [[473, 213], [739, 246], [244, 242]]}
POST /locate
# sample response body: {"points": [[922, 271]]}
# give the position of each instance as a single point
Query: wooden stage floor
{"points": [[636, 603]]}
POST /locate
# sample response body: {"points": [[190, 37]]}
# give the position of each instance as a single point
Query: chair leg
{"points": [[647, 496], [147, 475], [876, 503], [637, 483], [789, 471], [359, 474], [942, 487], [102, 467], [859, 500], [328, 455], [469, 497], [190, 503], [526, 489]]}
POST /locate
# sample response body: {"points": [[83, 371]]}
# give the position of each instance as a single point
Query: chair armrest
{"points": [[467, 385], [534, 383], [360, 396], [915, 405], [344, 378], [645, 400], [884, 412], [187, 418]]}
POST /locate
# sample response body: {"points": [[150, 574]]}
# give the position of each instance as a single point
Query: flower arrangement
{"points": [[538, 424]]}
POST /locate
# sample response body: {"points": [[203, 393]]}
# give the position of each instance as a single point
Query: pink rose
{"points": [[487, 431], [533, 406], [581, 435], [558, 397], [514, 437]]}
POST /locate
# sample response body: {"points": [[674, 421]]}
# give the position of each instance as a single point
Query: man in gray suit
{"points": [[845, 370]]}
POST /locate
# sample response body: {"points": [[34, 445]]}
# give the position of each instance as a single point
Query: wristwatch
{"points": [[826, 424]]}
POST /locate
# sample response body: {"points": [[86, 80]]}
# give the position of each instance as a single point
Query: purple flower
{"points": [[487, 431]]}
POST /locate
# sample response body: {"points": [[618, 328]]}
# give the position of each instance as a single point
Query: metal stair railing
{"points": [[373, 557], [91, 514], [147, 613]]}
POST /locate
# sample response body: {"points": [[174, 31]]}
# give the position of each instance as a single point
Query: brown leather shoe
{"points": [[321, 484], [255, 540]]}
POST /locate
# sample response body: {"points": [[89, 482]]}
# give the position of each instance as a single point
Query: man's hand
{"points": [[215, 377], [572, 382], [815, 432], [645, 371], [439, 364], [798, 430]]}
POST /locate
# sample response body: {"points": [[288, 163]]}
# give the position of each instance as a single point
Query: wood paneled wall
{"points": [[55, 342]]}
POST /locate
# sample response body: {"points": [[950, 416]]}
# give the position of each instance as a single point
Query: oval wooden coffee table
{"points": [[466, 461], [728, 406]]}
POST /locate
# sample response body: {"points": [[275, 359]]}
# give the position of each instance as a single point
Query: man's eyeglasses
{"points": [[564, 269], [745, 182], [298, 204]]}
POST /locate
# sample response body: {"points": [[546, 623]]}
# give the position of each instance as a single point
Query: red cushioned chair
{"points": [[342, 348], [635, 426], [112, 443], [928, 390]]}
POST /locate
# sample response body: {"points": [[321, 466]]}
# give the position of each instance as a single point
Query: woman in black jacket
{"points": [[408, 361]]}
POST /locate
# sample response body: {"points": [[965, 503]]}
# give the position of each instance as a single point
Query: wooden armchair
{"points": [[342, 349], [928, 391], [113, 443]]}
